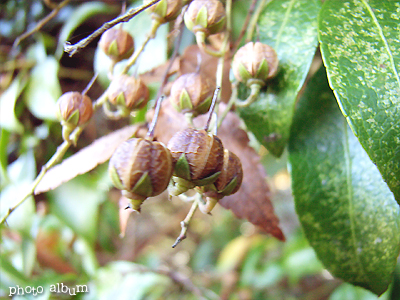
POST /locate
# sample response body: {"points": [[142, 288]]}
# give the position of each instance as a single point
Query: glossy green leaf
{"points": [[78, 17], [360, 45], [290, 27], [43, 89], [348, 213], [8, 99]]}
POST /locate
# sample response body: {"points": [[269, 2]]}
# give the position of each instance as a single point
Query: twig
{"points": [[211, 111], [57, 156], [172, 59], [150, 133], [39, 25], [185, 223], [134, 57], [245, 25], [72, 49]]}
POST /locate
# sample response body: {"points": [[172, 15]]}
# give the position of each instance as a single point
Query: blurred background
{"points": [[71, 235]]}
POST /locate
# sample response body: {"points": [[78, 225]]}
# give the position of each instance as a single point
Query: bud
{"points": [[165, 10], [227, 183], [207, 16], [192, 93], [141, 169], [128, 93], [198, 159], [255, 62], [74, 109], [117, 44]]}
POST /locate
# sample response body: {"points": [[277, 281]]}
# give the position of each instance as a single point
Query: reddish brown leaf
{"points": [[86, 159], [252, 201]]}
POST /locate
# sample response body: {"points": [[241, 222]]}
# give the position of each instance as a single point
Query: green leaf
{"points": [[43, 89], [78, 17], [348, 213], [290, 27], [8, 99], [4, 139], [360, 45], [21, 174], [77, 203], [349, 292]]}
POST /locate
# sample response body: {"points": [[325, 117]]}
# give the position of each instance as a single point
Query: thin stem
{"points": [[185, 223], [245, 25], [90, 84], [72, 49], [255, 91], [57, 156], [254, 20], [41, 23], [150, 133], [221, 61], [228, 107], [60, 152], [201, 43], [214, 101], [134, 57], [172, 59]]}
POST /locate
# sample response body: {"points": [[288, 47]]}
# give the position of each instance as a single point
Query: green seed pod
{"points": [[192, 93], [141, 168], [228, 182], [165, 10], [255, 62], [117, 43], [206, 16], [198, 159], [127, 93]]}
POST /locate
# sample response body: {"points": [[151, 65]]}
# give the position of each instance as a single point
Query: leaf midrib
{"points": [[393, 66], [285, 21], [349, 181]]}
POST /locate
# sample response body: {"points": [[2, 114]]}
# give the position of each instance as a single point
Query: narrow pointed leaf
{"points": [[290, 27], [360, 45], [348, 213]]}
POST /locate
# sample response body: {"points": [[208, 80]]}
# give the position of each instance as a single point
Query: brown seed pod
{"points": [[198, 159], [117, 43], [141, 168], [192, 93], [207, 16], [165, 10], [128, 93], [227, 183], [74, 109], [255, 62]]}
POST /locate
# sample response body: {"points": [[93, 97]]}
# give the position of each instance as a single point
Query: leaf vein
{"points": [[383, 39]]}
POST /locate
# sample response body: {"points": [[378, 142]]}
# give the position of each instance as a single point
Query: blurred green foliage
{"points": [[71, 234]]}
